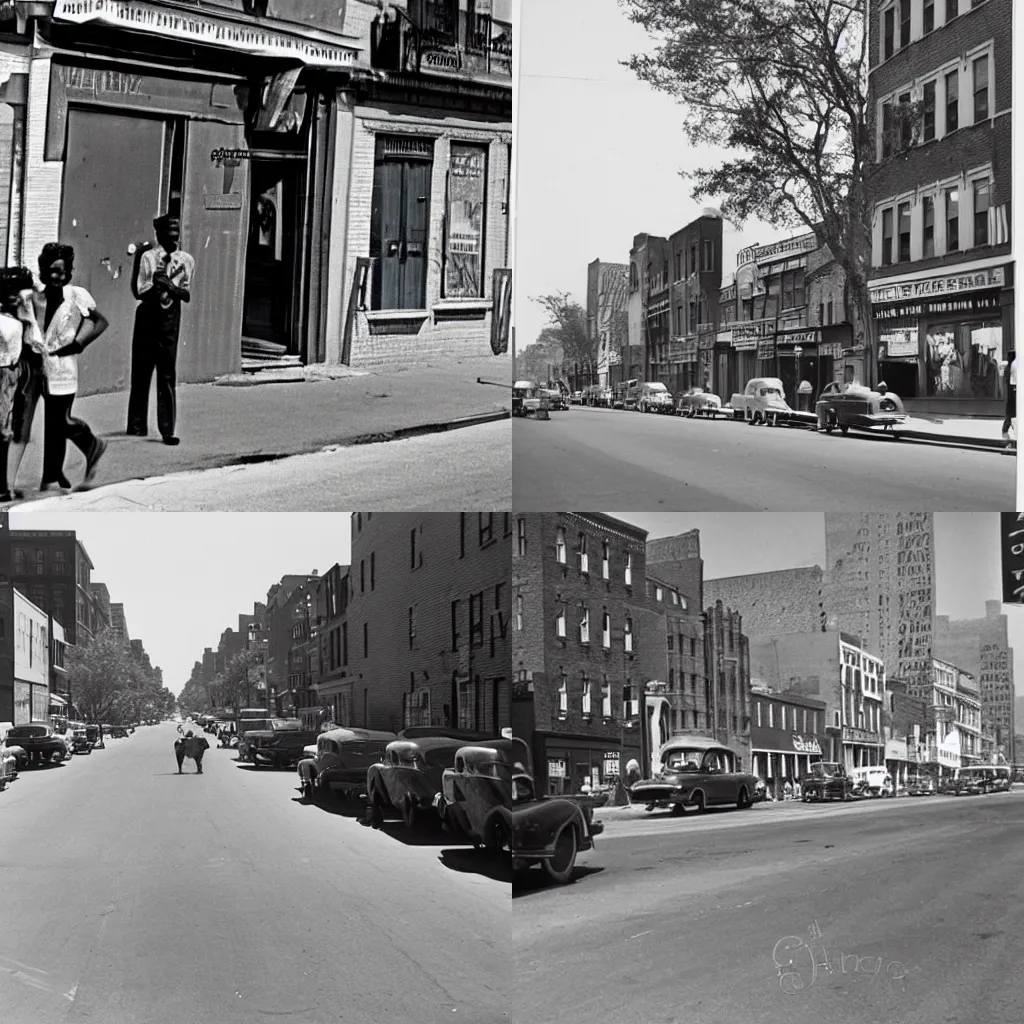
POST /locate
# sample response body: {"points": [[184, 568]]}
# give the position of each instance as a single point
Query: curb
{"points": [[953, 440]]}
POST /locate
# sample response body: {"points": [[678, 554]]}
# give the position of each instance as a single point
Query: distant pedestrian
{"points": [[179, 752], [796, 790], [787, 790], [161, 281], [15, 285], [69, 321], [1011, 393]]}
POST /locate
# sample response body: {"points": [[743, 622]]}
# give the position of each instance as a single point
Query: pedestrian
{"points": [[195, 747], [69, 322], [1011, 393], [179, 752], [161, 281], [796, 790], [787, 790], [14, 283]]}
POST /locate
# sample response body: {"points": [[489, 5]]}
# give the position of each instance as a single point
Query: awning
{"points": [[56, 701], [306, 45]]}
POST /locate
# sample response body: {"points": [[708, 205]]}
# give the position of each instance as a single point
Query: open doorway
{"points": [[272, 266]]}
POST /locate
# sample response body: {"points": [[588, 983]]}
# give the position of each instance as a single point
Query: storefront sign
{"points": [[752, 329], [799, 338], [763, 253], [967, 304], [463, 274], [221, 156], [994, 277], [200, 27], [682, 350], [745, 346], [854, 735], [706, 342], [766, 349], [830, 350], [900, 342], [723, 338], [441, 60], [806, 745], [611, 764], [1012, 544], [896, 750], [556, 769]]}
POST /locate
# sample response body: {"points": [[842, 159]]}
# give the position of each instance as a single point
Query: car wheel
{"points": [[743, 801], [408, 810], [699, 801], [307, 790], [501, 838], [678, 810], [559, 868], [844, 430]]}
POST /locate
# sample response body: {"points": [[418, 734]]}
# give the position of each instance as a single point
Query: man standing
{"points": [[1011, 393], [179, 752], [195, 747], [161, 281]]}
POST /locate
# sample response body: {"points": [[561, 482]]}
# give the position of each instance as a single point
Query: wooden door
{"points": [[112, 179], [400, 232]]}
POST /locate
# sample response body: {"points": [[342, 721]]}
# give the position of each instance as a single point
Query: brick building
{"points": [[982, 648], [280, 615], [909, 731], [587, 640], [880, 585], [606, 320], [772, 603], [787, 735], [428, 616], [332, 664], [647, 304], [939, 105], [727, 682]]}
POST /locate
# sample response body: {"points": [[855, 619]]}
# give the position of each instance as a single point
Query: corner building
{"points": [[427, 621]]}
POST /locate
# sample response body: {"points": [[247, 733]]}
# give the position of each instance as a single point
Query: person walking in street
{"points": [[161, 281], [69, 322], [1011, 394], [195, 747], [14, 307], [179, 751]]}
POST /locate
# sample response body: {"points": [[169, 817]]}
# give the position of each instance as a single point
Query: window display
{"points": [[964, 360]]}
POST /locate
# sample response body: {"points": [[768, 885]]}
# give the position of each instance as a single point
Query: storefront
{"points": [[786, 737], [217, 117], [943, 339], [899, 762], [859, 748], [563, 763]]}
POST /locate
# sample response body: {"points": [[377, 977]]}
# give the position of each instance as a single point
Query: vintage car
{"points": [[81, 744], [488, 796], [654, 397], [921, 785], [343, 757], [280, 746], [846, 407], [827, 780], [763, 401], [40, 741], [12, 757], [696, 772], [118, 732], [408, 778], [576, 398], [872, 781], [527, 398], [698, 402]]}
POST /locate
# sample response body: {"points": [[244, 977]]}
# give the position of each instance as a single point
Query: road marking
{"points": [[70, 994], [650, 931]]}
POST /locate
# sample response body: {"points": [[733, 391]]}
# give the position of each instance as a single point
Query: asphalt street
{"points": [[622, 462], [911, 911], [134, 895], [458, 469]]}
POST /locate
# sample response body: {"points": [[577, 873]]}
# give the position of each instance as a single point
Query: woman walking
{"points": [[69, 322], [15, 311]]}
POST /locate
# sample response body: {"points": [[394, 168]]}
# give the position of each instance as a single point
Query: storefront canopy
{"points": [[241, 33], [56, 701]]}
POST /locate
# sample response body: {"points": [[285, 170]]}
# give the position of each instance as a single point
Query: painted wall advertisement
{"points": [[466, 181]]}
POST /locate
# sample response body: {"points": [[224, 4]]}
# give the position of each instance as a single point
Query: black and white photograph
{"points": [[793, 217], [782, 758], [258, 254], [238, 788]]}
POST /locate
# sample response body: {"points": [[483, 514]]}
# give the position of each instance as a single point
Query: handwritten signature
{"points": [[790, 951]]}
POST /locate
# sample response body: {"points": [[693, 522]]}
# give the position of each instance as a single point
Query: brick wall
{"points": [[456, 558], [677, 561], [773, 603], [728, 670]]}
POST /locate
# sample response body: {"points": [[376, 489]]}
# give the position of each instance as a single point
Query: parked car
{"points": [[858, 408], [80, 743], [12, 757], [763, 401], [654, 397], [408, 778], [343, 758], [40, 741], [604, 398], [281, 745], [827, 780], [921, 785], [527, 398], [576, 398], [696, 772], [972, 781], [873, 781], [698, 402]]}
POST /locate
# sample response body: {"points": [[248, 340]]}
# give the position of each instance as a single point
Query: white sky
{"points": [[184, 577], [598, 154], [967, 557]]}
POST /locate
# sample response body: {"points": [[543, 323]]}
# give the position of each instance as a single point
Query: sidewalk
{"points": [[955, 429], [244, 420]]}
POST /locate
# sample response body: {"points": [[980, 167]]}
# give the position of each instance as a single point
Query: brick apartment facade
{"points": [[332, 664], [772, 603], [428, 616], [607, 329], [586, 639], [942, 281]]}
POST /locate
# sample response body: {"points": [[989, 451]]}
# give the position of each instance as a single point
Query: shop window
{"points": [[928, 227], [903, 221], [952, 101], [982, 199], [400, 221], [12, 142], [963, 359], [929, 16], [928, 132], [465, 225], [952, 219], [980, 71], [887, 238]]}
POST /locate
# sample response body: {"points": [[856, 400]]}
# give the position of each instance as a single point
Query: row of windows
{"points": [[32, 562], [797, 719], [942, 97], [682, 266], [962, 221], [584, 627], [906, 21], [582, 552]]}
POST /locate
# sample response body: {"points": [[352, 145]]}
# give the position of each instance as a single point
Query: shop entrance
{"points": [[271, 308]]}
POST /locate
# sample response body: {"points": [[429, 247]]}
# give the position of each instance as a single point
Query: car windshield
{"points": [[825, 768], [765, 392], [656, 387], [26, 732], [683, 760], [286, 725]]}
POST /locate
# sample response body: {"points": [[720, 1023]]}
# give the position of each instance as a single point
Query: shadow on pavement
{"points": [[424, 833], [490, 863], [332, 805], [526, 883]]}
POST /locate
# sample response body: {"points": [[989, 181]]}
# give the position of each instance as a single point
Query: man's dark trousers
{"points": [[154, 347], [179, 753]]}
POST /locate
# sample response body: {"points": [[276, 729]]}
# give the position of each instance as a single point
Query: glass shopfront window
{"points": [[464, 260], [963, 359]]}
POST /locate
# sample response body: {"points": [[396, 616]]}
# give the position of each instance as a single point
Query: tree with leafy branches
{"points": [[567, 325], [781, 87]]}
